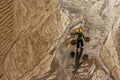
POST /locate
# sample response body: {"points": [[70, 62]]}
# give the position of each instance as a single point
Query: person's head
{"points": [[79, 30]]}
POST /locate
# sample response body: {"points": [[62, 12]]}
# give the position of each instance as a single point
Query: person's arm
{"points": [[74, 33], [83, 36]]}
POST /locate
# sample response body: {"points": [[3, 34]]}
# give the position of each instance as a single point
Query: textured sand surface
{"points": [[35, 36], [28, 29]]}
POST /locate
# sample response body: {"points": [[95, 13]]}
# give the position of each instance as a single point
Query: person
{"points": [[80, 37]]}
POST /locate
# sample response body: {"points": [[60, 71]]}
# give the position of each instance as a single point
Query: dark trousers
{"points": [[79, 42]]}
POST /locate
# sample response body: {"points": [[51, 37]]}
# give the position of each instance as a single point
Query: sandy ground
{"points": [[35, 39]]}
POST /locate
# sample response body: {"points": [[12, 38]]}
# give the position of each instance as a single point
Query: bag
{"points": [[73, 42], [87, 39]]}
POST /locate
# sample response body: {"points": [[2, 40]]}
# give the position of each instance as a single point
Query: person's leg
{"points": [[78, 43], [81, 49], [82, 44]]}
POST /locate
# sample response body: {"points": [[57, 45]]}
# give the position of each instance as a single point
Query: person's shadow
{"points": [[77, 59]]}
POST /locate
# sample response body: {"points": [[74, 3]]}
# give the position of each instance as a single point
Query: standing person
{"points": [[80, 37]]}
